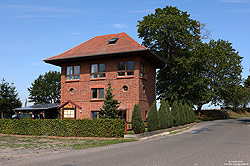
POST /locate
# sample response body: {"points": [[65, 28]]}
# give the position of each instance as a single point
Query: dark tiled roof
{"points": [[38, 107]]}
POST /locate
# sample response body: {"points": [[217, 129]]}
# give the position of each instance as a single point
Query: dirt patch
{"points": [[10, 154], [238, 114], [24, 147]]}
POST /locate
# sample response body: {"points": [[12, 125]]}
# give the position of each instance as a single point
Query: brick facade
{"points": [[141, 90]]}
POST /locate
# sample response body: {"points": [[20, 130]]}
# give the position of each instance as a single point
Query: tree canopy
{"points": [[46, 88], [9, 98], [196, 72]]}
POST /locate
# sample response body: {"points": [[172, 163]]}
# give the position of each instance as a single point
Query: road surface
{"points": [[215, 143]]}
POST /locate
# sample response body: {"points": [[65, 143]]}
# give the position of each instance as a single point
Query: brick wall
{"points": [[140, 90]]}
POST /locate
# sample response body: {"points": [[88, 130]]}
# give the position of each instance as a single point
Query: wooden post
{"points": [[126, 128]]}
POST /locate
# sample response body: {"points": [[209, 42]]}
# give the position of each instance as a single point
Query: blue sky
{"points": [[32, 30]]}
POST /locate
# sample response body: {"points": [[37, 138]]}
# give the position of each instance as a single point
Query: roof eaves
{"points": [[157, 57], [133, 40], [76, 57], [71, 102]]}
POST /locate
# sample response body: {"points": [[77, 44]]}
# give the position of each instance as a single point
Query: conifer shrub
{"points": [[176, 114], [187, 113], [137, 123], [182, 114], [153, 121], [192, 114], [163, 115], [169, 115], [110, 105]]}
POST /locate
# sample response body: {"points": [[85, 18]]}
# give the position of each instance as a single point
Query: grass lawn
{"points": [[131, 132], [38, 142]]}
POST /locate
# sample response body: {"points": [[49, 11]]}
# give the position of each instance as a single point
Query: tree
{"points": [[173, 35], [237, 97], [168, 31], [196, 72], [46, 88], [110, 106], [153, 121], [224, 71], [163, 115], [247, 91], [136, 120], [8, 98]]}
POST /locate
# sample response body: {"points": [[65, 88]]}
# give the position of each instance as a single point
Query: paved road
{"points": [[217, 143]]}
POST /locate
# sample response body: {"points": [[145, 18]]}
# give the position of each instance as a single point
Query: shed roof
{"points": [[38, 107]]}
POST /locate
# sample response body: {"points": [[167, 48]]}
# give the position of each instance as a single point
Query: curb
{"points": [[157, 133]]}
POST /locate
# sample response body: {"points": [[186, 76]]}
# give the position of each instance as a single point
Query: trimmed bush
{"points": [[136, 121], [176, 114], [64, 128], [163, 115], [153, 121]]}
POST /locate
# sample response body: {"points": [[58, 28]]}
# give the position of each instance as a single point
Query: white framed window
{"points": [[69, 113]]}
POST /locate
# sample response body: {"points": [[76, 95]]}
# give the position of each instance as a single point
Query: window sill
{"points": [[125, 77], [96, 100], [97, 79], [73, 80]]}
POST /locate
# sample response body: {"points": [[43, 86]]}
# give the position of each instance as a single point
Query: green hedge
{"points": [[64, 128]]}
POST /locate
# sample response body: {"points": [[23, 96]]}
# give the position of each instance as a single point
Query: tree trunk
{"points": [[198, 109]]}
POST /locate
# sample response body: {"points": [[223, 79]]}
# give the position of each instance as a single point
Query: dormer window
{"points": [[73, 72], [113, 41]]}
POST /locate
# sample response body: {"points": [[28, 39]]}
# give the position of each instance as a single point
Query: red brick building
{"points": [[87, 68]]}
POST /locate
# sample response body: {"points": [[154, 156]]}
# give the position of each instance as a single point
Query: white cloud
{"points": [[37, 9], [41, 16], [238, 11], [120, 26], [34, 11]]}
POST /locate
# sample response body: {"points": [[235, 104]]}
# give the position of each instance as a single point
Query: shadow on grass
{"points": [[207, 115], [244, 121]]}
